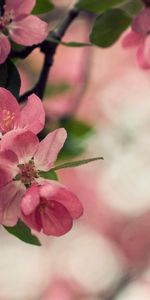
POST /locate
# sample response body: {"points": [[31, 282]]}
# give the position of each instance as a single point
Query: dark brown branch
{"points": [[23, 53], [49, 49], [2, 3], [146, 2]]}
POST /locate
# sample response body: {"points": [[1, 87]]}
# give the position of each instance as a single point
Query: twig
{"points": [[2, 7], [49, 49], [146, 2]]}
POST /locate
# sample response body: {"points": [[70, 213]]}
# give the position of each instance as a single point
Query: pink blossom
{"points": [[23, 28], [21, 166], [50, 207], [61, 289], [30, 117], [139, 37]]}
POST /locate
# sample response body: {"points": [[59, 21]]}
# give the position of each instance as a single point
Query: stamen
{"points": [[7, 18], [28, 173], [7, 122]]}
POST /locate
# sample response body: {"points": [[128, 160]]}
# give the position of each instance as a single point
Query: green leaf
{"points": [[97, 6], [17, 47], [42, 6], [76, 128], [22, 232], [132, 7], [49, 175], [10, 78], [56, 89], [108, 27], [75, 44], [77, 163], [77, 132], [69, 44]]}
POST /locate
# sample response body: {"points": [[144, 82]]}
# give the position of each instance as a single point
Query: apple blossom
{"points": [[23, 28], [30, 117], [139, 37], [50, 202], [50, 207]]}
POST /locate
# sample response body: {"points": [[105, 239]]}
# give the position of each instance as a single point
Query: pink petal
{"points": [[5, 176], [33, 220], [24, 144], [55, 219], [52, 219], [147, 50], [141, 57], [61, 289], [11, 195], [8, 166], [29, 31], [8, 138], [131, 39], [50, 216], [49, 149], [51, 189], [30, 200], [9, 111], [33, 115], [20, 6], [8, 156], [135, 239], [141, 23], [4, 48]]}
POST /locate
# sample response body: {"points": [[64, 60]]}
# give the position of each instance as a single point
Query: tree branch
{"points": [[2, 3], [49, 49]]}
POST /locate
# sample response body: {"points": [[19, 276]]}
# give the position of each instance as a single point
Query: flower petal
{"points": [[24, 144], [141, 23], [55, 219], [29, 31], [30, 200], [51, 189], [10, 198], [5, 176], [4, 48], [49, 148], [20, 6], [9, 111], [52, 219], [8, 166], [131, 39], [143, 61], [33, 220], [33, 115]]}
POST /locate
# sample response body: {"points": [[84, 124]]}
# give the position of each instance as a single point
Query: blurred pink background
{"points": [[111, 242]]}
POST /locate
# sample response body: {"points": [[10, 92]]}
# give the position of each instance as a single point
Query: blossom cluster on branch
{"points": [[17, 24], [42, 204], [33, 135]]}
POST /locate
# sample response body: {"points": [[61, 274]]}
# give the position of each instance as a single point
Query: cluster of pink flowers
{"points": [[44, 205], [23, 28], [139, 36]]}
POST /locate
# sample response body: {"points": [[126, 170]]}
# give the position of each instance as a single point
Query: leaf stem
{"points": [[77, 163]]}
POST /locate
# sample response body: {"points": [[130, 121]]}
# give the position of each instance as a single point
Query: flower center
{"points": [[27, 173], [7, 122], [7, 18]]}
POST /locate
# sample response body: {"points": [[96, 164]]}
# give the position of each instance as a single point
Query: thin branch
{"points": [[146, 2], [2, 7], [23, 53], [49, 49]]}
